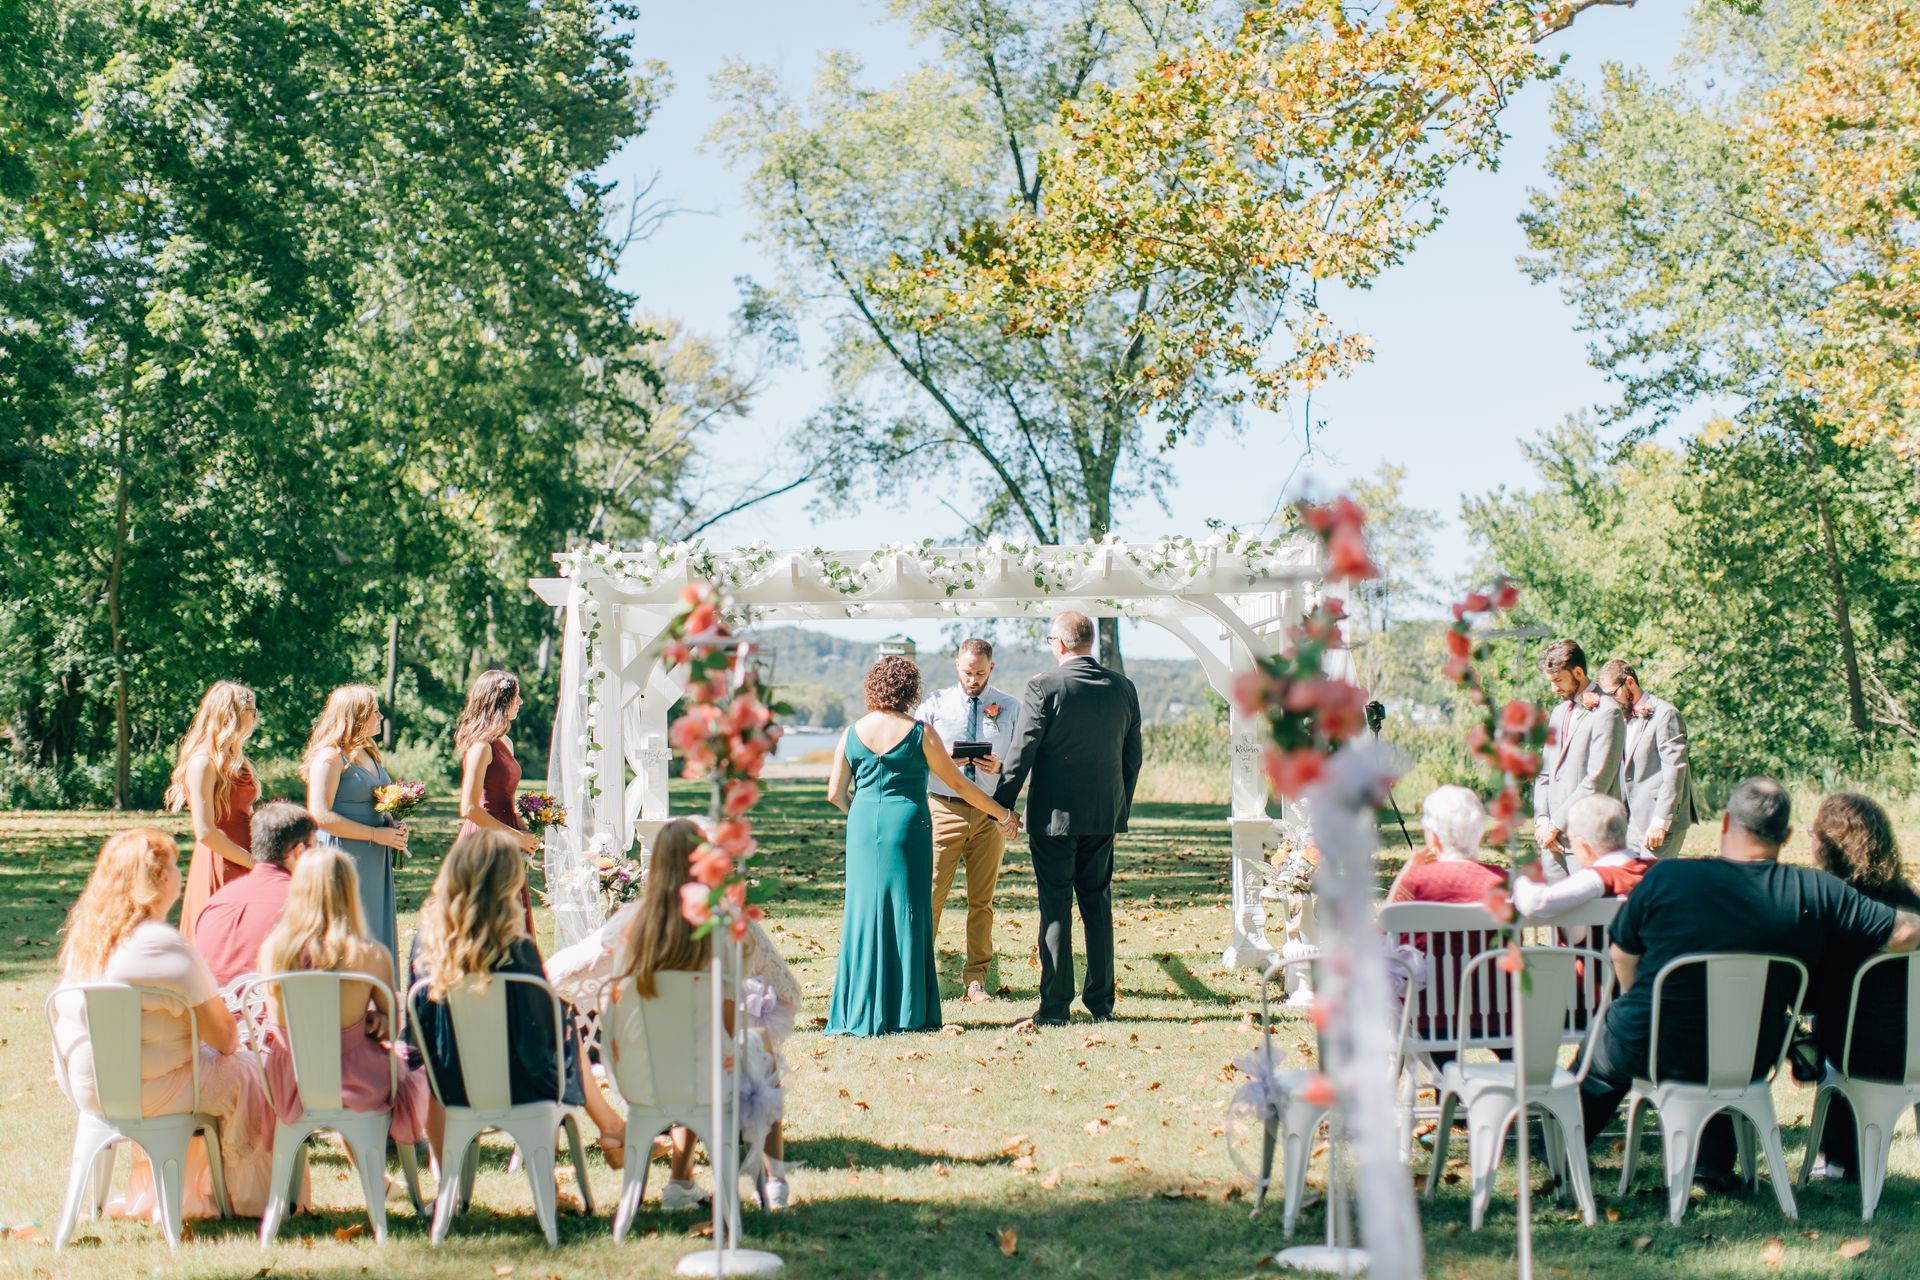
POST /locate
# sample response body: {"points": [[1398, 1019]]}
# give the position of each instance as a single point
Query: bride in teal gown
{"points": [[885, 980]]}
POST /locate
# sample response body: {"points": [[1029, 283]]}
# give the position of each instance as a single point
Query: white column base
{"points": [[735, 1262]]}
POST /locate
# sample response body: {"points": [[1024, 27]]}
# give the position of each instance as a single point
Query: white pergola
{"points": [[611, 758]]}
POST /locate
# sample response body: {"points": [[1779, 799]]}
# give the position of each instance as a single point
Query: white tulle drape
{"points": [[1358, 1042], [572, 884]]}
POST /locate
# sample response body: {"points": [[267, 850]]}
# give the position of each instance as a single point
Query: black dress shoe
{"points": [[1048, 1020]]}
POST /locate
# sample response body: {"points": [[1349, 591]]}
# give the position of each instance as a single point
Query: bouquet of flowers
{"points": [[621, 879], [399, 799], [540, 811]]}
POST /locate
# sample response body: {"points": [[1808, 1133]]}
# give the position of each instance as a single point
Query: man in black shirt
{"points": [[1741, 901]]}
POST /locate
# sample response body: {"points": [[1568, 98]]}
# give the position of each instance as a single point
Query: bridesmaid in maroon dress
{"points": [[214, 782], [489, 774]]}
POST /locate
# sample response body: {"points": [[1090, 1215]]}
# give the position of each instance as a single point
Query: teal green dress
{"points": [[886, 981]]}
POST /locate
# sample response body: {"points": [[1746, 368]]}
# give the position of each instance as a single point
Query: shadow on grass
{"points": [[840, 1152], [1188, 982]]}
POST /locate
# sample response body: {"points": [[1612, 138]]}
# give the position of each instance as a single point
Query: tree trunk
{"points": [[117, 639], [1843, 618], [388, 733]]}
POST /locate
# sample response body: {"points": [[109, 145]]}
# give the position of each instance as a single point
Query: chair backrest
{"points": [[310, 1007], [1552, 1000], [1735, 990], [661, 1047], [112, 1013], [482, 1033], [1593, 922], [1450, 935], [1910, 1000]]}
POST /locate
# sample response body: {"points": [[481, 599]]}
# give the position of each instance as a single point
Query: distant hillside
{"points": [[1169, 688]]}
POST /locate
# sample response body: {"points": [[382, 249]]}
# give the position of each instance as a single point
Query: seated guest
{"points": [[324, 927], [1741, 901], [656, 938], [118, 932], [1852, 839], [1447, 869], [1597, 834], [474, 924], [244, 910]]}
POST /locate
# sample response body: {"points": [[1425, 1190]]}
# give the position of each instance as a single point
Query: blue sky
{"points": [[1470, 358]]}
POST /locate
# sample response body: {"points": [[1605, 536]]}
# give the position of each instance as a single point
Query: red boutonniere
{"points": [[1589, 699], [991, 711]]}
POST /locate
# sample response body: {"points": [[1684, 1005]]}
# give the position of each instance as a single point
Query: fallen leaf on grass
{"points": [[503, 1270], [1024, 1163], [1642, 1243], [1613, 1214], [1853, 1248], [952, 1029], [1009, 1240], [1773, 1251], [346, 1234], [26, 1232], [1013, 1144], [1051, 1180]]}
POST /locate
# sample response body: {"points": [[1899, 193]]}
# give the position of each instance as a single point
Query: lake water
{"points": [[797, 745]]}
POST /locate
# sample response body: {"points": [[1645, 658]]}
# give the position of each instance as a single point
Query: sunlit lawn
{"points": [[1094, 1150]]}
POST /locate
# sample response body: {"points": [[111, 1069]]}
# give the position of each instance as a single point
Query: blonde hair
{"points": [[127, 888], [216, 733], [322, 925], [660, 938], [345, 725], [484, 718], [472, 918]]}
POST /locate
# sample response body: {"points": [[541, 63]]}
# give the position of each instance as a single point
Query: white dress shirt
{"points": [[950, 713], [1539, 900]]}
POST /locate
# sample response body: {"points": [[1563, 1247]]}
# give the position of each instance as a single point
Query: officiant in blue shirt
{"points": [[972, 711]]}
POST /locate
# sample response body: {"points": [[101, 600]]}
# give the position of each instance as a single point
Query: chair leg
{"points": [[1571, 1131], [1297, 1129], [1680, 1138], [92, 1140], [1630, 1151], [456, 1163], [1442, 1138], [1269, 1136], [633, 1190], [288, 1141], [1816, 1129], [1776, 1162], [367, 1144], [536, 1160], [169, 1184], [216, 1165], [579, 1154], [1875, 1113], [1744, 1142], [102, 1187], [1489, 1118], [410, 1167]]}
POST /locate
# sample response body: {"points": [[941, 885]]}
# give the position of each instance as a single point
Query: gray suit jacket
{"points": [[1655, 773], [1582, 758]]}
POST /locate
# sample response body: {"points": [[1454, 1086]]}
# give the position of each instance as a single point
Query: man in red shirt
{"points": [[238, 918]]}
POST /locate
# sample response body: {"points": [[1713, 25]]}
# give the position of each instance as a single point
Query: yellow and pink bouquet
{"points": [[399, 799]]}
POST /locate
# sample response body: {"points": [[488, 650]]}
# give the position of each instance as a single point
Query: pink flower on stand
{"points": [[741, 795], [1317, 1092], [1519, 717], [1500, 905], [1513, 961], [1292, 772], [710, 866], [693, 903]]}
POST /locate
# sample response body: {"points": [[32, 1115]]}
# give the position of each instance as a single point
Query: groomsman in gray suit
{"points": [[1582, 754], [1653, 770]]}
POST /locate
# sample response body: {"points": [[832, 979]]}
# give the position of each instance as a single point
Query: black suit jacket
{"points": [[1079, 738]]}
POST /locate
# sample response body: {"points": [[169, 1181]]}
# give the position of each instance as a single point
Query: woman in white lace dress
{"points": [[650, 935]]}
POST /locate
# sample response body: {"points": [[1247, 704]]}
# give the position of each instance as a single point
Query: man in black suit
{"points": [[1080, 739]]}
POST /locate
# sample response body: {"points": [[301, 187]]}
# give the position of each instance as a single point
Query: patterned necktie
{"points": [[973, 729]]}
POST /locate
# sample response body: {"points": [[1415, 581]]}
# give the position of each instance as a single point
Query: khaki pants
{"points": [[962, 833]]}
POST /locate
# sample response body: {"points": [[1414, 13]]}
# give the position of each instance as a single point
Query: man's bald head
{"points": [[1073, 632]]}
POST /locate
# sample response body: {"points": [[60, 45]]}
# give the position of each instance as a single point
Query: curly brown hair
{"points": [[893, 684], [1853, 839]]}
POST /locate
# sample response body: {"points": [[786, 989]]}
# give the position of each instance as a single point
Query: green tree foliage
{"points": [[1658, 226], [303, 308]]}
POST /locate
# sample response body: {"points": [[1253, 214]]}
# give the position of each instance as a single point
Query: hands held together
{"points": [[1010, 824]]}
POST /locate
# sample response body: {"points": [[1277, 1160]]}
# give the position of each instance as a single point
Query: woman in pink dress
{"points": [[324, 927], [213, 781], [118, 932], [489, 773]]}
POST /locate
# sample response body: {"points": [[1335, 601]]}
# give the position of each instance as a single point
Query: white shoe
{"points": [[678, 1195], [778, 1194], [1824, 1172]]}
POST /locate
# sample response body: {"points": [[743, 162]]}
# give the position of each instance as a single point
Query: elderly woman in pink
{"points": [[118, 932]]}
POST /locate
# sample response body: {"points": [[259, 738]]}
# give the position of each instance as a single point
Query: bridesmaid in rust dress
{"points": [[489, 773], [213, 781]]}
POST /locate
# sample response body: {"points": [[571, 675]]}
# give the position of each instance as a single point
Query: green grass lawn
{"points": [[1091, 1150]]}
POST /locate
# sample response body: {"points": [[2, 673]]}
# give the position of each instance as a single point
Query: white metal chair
{"points": [[1877, 1103], [112, 1012], [480, 1029], [1289, 1122], [310, 1004], [659, 1055], [1735, 1010], [1445, 936], [1560, 978]]}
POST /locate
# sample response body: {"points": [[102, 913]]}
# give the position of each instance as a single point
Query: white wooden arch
{"points": [[615, 691]]}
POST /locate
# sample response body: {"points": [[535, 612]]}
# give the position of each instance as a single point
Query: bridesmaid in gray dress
{"points": [[342, 768]]}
